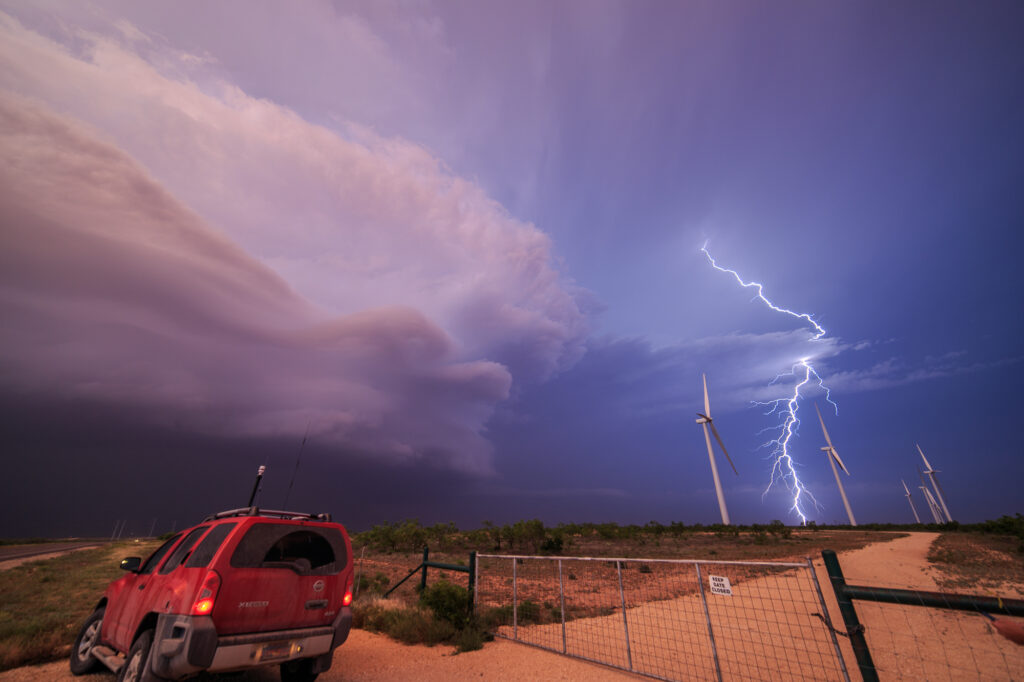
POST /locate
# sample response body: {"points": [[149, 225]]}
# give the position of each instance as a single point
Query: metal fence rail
{"points": [[904, 634], [665, 619]]}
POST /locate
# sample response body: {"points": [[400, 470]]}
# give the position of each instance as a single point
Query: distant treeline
{"points": [[534, 536], [26, 541]]}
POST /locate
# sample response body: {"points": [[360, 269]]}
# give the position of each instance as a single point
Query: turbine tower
{"points": [[930, 499], [706, 421], [935, 483], [833, 457], [910, 500]]}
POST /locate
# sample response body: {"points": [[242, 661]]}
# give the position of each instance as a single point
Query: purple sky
{"points": [[457, 245]]}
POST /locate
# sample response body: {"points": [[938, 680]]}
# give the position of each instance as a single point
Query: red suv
{"points": [[244, 588]]}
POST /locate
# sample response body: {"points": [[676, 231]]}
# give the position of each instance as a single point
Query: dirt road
{"points": [[15, 555]]}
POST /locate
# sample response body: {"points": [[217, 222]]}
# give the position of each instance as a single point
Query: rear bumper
{"points": [[184, 645]]}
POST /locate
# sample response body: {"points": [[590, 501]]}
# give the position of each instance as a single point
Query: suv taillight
{"points": [[207, 594], [347, 599]]}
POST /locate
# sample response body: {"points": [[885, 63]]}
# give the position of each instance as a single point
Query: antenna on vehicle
{"points": [[298, 458], [256, 488]]}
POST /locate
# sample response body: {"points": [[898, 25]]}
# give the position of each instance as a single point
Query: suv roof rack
{"points": [[256, 511]]}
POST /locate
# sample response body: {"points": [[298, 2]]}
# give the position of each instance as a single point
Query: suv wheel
{"points": [[82, 660], [298, 671], [136, 665]]}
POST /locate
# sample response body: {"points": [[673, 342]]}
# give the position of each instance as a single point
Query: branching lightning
{"points": [[784, 468], [819, 330]]}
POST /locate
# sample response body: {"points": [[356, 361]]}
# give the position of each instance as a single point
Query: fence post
{"points": [[359, 573], [426, 557], [707, 616], [515, 602], [853, 627], [472, 581], [828, 620], [561, 601], [625, 623]]}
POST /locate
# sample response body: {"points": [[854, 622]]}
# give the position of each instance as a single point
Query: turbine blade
{"points": [[823, 429], [707, 403], [905, 488], [722, 445], [926, 464], [832, 451]]}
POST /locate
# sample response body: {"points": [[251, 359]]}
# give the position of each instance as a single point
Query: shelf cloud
{"points": [[169, 241]]}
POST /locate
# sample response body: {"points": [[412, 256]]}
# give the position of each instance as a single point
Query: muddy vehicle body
{"points": [[245, 588]]}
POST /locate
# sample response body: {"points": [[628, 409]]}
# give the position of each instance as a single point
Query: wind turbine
{"points": [[910, 500], [935, 483], [706, 421], [930, 499], [833, 457]]}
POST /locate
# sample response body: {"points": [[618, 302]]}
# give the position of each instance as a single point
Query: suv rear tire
{"points": [[136, 664], [82, 660], [298, 671]]}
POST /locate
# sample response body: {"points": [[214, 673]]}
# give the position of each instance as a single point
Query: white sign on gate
{"points": [[720, 585]]}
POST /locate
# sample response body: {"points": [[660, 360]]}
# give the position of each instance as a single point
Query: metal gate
{"points": [[665, 619]]}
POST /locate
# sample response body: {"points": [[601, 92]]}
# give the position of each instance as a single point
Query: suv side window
{"points": [[182, 550], [209, 546], [306, 550], [156, 556]]}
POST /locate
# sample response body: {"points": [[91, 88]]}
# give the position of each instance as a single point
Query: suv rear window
{"points": [[209, 546], [307, 550]]}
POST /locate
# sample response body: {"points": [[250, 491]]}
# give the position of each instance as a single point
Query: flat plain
{"points": [[906, 642]]}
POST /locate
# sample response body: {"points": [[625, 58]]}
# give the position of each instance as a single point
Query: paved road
{"points": [[12, 552]]}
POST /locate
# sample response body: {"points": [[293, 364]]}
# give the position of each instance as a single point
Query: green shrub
{"points": [[779, 529], [405, 624], [470, 639], [723, 531], [449, 602], [496, 617], [414, 626], [552, 544], [528, 612]]}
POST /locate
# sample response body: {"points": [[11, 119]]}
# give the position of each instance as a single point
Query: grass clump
{"points": [[409, 625], [441, 617], [378, 584]]}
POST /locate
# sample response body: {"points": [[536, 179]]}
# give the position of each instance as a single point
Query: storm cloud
{"points": [[350, 219], [112, 290]]}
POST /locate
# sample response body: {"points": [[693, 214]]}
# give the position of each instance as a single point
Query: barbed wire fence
{"points": [[663, 618]]}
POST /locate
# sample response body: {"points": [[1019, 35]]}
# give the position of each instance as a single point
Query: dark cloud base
{"points": [[73, 468]]}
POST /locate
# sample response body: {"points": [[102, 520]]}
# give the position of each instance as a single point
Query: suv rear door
{"points": [[282, 575]]}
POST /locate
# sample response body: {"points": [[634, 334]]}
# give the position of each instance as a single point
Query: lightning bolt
{"points": [[819, 330], [784, 471]]}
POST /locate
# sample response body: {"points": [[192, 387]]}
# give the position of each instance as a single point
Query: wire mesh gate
{"points": [[664, 618]]}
